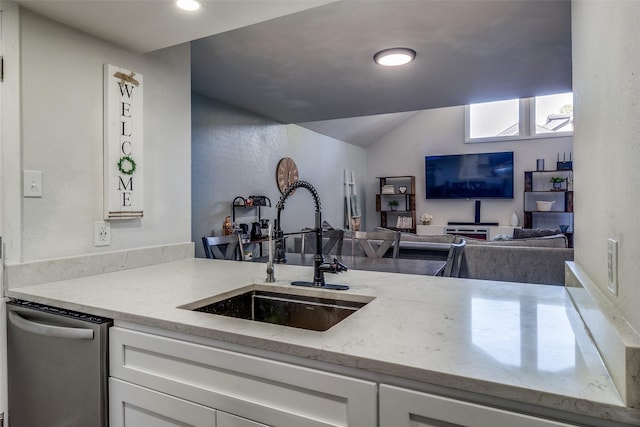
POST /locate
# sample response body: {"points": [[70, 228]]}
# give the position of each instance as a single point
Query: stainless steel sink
{"points": [[313, 310]]}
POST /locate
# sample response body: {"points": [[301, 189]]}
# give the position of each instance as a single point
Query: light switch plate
{"points": [[32, 183], [612, 265]]}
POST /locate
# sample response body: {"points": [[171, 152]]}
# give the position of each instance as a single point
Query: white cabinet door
{"points": [[227, 420], [134, 406], [407, 408]]}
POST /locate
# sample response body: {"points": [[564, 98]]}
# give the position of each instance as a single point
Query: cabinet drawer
{"points": [[270, 392], [134, 406], [227, 420], [407, 408]]}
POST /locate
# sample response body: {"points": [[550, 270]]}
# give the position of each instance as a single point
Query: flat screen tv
{"points": [[470, 176]]}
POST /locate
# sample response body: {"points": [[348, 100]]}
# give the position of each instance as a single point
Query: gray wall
{"points": [[606, 67], [235, 154], [61, 84]]}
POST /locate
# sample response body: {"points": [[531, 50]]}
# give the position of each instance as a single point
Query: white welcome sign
{"points": [[123, 195]]}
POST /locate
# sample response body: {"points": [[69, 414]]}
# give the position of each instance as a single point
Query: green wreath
{"points": [[131, 163]]}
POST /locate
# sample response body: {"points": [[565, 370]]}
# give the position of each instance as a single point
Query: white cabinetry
{"points": [[243, 386], [401, 407], [134, 406], [160, 381]]}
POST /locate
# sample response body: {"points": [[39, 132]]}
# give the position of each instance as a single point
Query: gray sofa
{"points": [[528, 260], [533, 260]]}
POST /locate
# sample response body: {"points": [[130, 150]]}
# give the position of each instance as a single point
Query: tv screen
{"points": [[470, 176]]}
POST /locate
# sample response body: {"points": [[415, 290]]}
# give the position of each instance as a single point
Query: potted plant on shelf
{"points": [[557, 182], [393, 204]]}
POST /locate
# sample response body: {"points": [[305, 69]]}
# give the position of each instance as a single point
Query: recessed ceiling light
{"points": [[188, 4], [394, 57]]}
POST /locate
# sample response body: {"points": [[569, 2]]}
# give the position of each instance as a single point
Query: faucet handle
{"points": [[338, 266]]}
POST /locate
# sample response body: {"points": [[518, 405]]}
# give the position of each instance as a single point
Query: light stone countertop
{"points": [[521, 342]]}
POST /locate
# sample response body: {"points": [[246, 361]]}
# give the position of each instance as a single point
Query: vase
{"points": [[514, 219], [426, 222]]}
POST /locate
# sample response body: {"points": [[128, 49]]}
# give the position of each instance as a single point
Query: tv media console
{"points": [[486, 232]]}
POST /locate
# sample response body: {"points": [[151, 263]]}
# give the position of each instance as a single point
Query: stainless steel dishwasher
{"points": [[57, 366]]}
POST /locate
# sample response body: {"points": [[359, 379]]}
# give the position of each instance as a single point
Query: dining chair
{"points": [[222, 247], [454, 259], [330, 239], [376, 243]]}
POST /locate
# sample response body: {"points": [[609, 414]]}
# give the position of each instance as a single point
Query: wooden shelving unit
{"points": [[538, 188], [401, 189]]}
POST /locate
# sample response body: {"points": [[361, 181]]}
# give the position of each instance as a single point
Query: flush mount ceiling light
{"points": [[394, 57], [190, 5]]}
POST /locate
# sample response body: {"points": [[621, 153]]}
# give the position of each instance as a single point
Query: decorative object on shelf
{"points": [[259, 200], [286, 173], [388, 189], [557, 182], [402, 189], [514, 219], [544, 206], [404, 222], [256, 231], [251, 202], [244, 229], [540, 165], [227, 227], [393, 205], [426, 218], [564, 165]]}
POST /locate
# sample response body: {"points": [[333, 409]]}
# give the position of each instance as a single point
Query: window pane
{"points": [[554, 113], [492, 119]]}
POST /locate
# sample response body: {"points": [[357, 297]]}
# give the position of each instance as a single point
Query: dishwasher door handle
{"points": [[49, 330]]}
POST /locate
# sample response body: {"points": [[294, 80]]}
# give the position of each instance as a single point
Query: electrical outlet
{"points": [[102, 234], [612, 265]]}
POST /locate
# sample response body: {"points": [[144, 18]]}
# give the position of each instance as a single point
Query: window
{"points": [[495, 119], [526, 118], [553, 113]]}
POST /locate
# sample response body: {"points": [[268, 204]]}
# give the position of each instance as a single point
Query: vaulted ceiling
{"points": [[311, 63]]}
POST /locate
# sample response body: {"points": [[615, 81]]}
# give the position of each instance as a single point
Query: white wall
{"points": [[606, 73], [236, 153], [441, 131], [62, 133]]}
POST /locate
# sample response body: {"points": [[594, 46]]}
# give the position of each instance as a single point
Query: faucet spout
{"points": [[318, 259]]}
